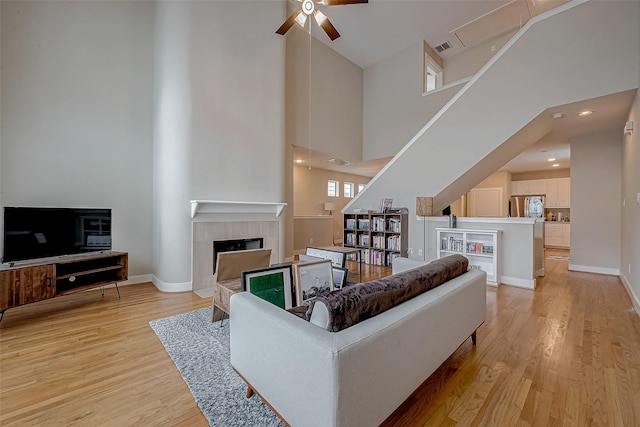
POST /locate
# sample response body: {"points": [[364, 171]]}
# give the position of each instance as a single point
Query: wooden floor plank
{"points": [[566, 354]]}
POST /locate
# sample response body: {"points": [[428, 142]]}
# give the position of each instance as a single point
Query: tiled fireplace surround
{"points": [[230, 220]]}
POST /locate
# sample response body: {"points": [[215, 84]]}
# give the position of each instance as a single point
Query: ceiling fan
{"points": [[308, 8]]}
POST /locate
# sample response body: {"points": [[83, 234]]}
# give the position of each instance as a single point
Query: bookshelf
{"points": [[381, 237], [481, 247]]}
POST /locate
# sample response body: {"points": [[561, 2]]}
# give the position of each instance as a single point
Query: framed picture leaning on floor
{"points": [[312, 278], [273, 284]]}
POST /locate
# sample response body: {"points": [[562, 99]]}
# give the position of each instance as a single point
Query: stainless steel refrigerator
{"points": [[526, 206]]}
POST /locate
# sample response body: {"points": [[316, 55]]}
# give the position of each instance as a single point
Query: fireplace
{"points": [[235, 245]]}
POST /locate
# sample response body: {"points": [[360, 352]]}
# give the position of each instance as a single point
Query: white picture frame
{"points": [[312, 278]]}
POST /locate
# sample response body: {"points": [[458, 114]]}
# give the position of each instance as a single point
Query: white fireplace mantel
{"points": [[226, 207]]}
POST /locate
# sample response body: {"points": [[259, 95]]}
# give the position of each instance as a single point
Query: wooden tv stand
{"points": [[25, 282]]}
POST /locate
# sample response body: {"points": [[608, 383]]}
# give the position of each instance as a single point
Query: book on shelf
{"points": [[350, 223], [363, 240], [363, 224], [390, 257], [451, 244], [393, 242], [378, 242], [377, 223], [394, 225], [351, 239]]}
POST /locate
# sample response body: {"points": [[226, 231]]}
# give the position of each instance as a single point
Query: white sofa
{"points": [[359, 375]]}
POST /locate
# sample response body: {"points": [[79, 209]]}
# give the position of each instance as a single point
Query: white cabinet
{"points": [[566, 235], [564, 192], [557, 234], [557, 190], [534, 187], [481, 247]]}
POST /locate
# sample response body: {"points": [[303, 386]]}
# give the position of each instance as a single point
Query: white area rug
{"points": [[200, 351]]}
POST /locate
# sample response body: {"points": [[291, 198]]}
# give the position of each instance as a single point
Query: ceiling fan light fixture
{"points": [[308, 7], [320, 17], [301, 19]]}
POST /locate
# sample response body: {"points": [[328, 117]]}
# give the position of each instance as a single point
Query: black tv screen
{"points": [[31, 232]]}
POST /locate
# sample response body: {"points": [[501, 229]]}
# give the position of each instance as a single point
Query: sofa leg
{"points": [[473, 338], [249, 392]]}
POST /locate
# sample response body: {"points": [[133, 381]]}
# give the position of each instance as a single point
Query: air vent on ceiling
{"points": [[444, 46]]}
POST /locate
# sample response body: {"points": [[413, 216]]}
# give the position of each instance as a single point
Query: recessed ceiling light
{"points": [[555, 165], [552, 159], [299, 161], [585, 113], [557, 115]]}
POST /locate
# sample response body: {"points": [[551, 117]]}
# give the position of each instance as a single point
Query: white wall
{"points": [[310, 194], [471, 60], [335, 98], [219, 118], [394, 105], [395, 108], [630, 230], [76, 103], [595, 202]]}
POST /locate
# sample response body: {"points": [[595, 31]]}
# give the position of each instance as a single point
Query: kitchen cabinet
{"points": [[530, 187], [557, 234], [564, 192], [557, 190], [558, 193]]}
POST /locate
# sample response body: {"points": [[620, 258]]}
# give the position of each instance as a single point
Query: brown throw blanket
{"points": [[359, 302]]}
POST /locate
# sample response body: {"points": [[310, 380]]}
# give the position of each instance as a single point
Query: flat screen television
{"points": [[39, 232]]}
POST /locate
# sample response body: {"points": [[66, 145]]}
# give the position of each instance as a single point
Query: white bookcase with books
{"points": [[382, 237], [481, 247]]}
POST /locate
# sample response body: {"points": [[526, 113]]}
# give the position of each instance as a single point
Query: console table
{"points": [[221, 297], [26, 282]]}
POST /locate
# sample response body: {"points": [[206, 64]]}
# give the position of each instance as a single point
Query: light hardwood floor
{"points": [[566, 354]]}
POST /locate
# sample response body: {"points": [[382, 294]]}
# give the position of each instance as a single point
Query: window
{"points": [[360, 187], [348, 190], [332, 188], [432, 75]]}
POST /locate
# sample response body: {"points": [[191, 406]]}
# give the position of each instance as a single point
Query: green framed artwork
{"points": [[273, 284]]}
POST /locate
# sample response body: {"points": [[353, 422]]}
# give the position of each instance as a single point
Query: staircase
{"points": [[578, 51]]}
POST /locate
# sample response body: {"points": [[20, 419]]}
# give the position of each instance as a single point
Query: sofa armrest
{"points": [[285, 359]]}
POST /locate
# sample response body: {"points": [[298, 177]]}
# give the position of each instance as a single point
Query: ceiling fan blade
{"points": [[288, 23], [342, 2], [328, 28]]}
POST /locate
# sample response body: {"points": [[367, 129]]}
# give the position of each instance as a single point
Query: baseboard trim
{"points": [[597, 270], [133, 280], [171, 287], [518, 282], [635, 301]]}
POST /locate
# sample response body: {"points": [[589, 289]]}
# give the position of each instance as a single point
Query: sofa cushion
{"points": [[342, 308]]}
